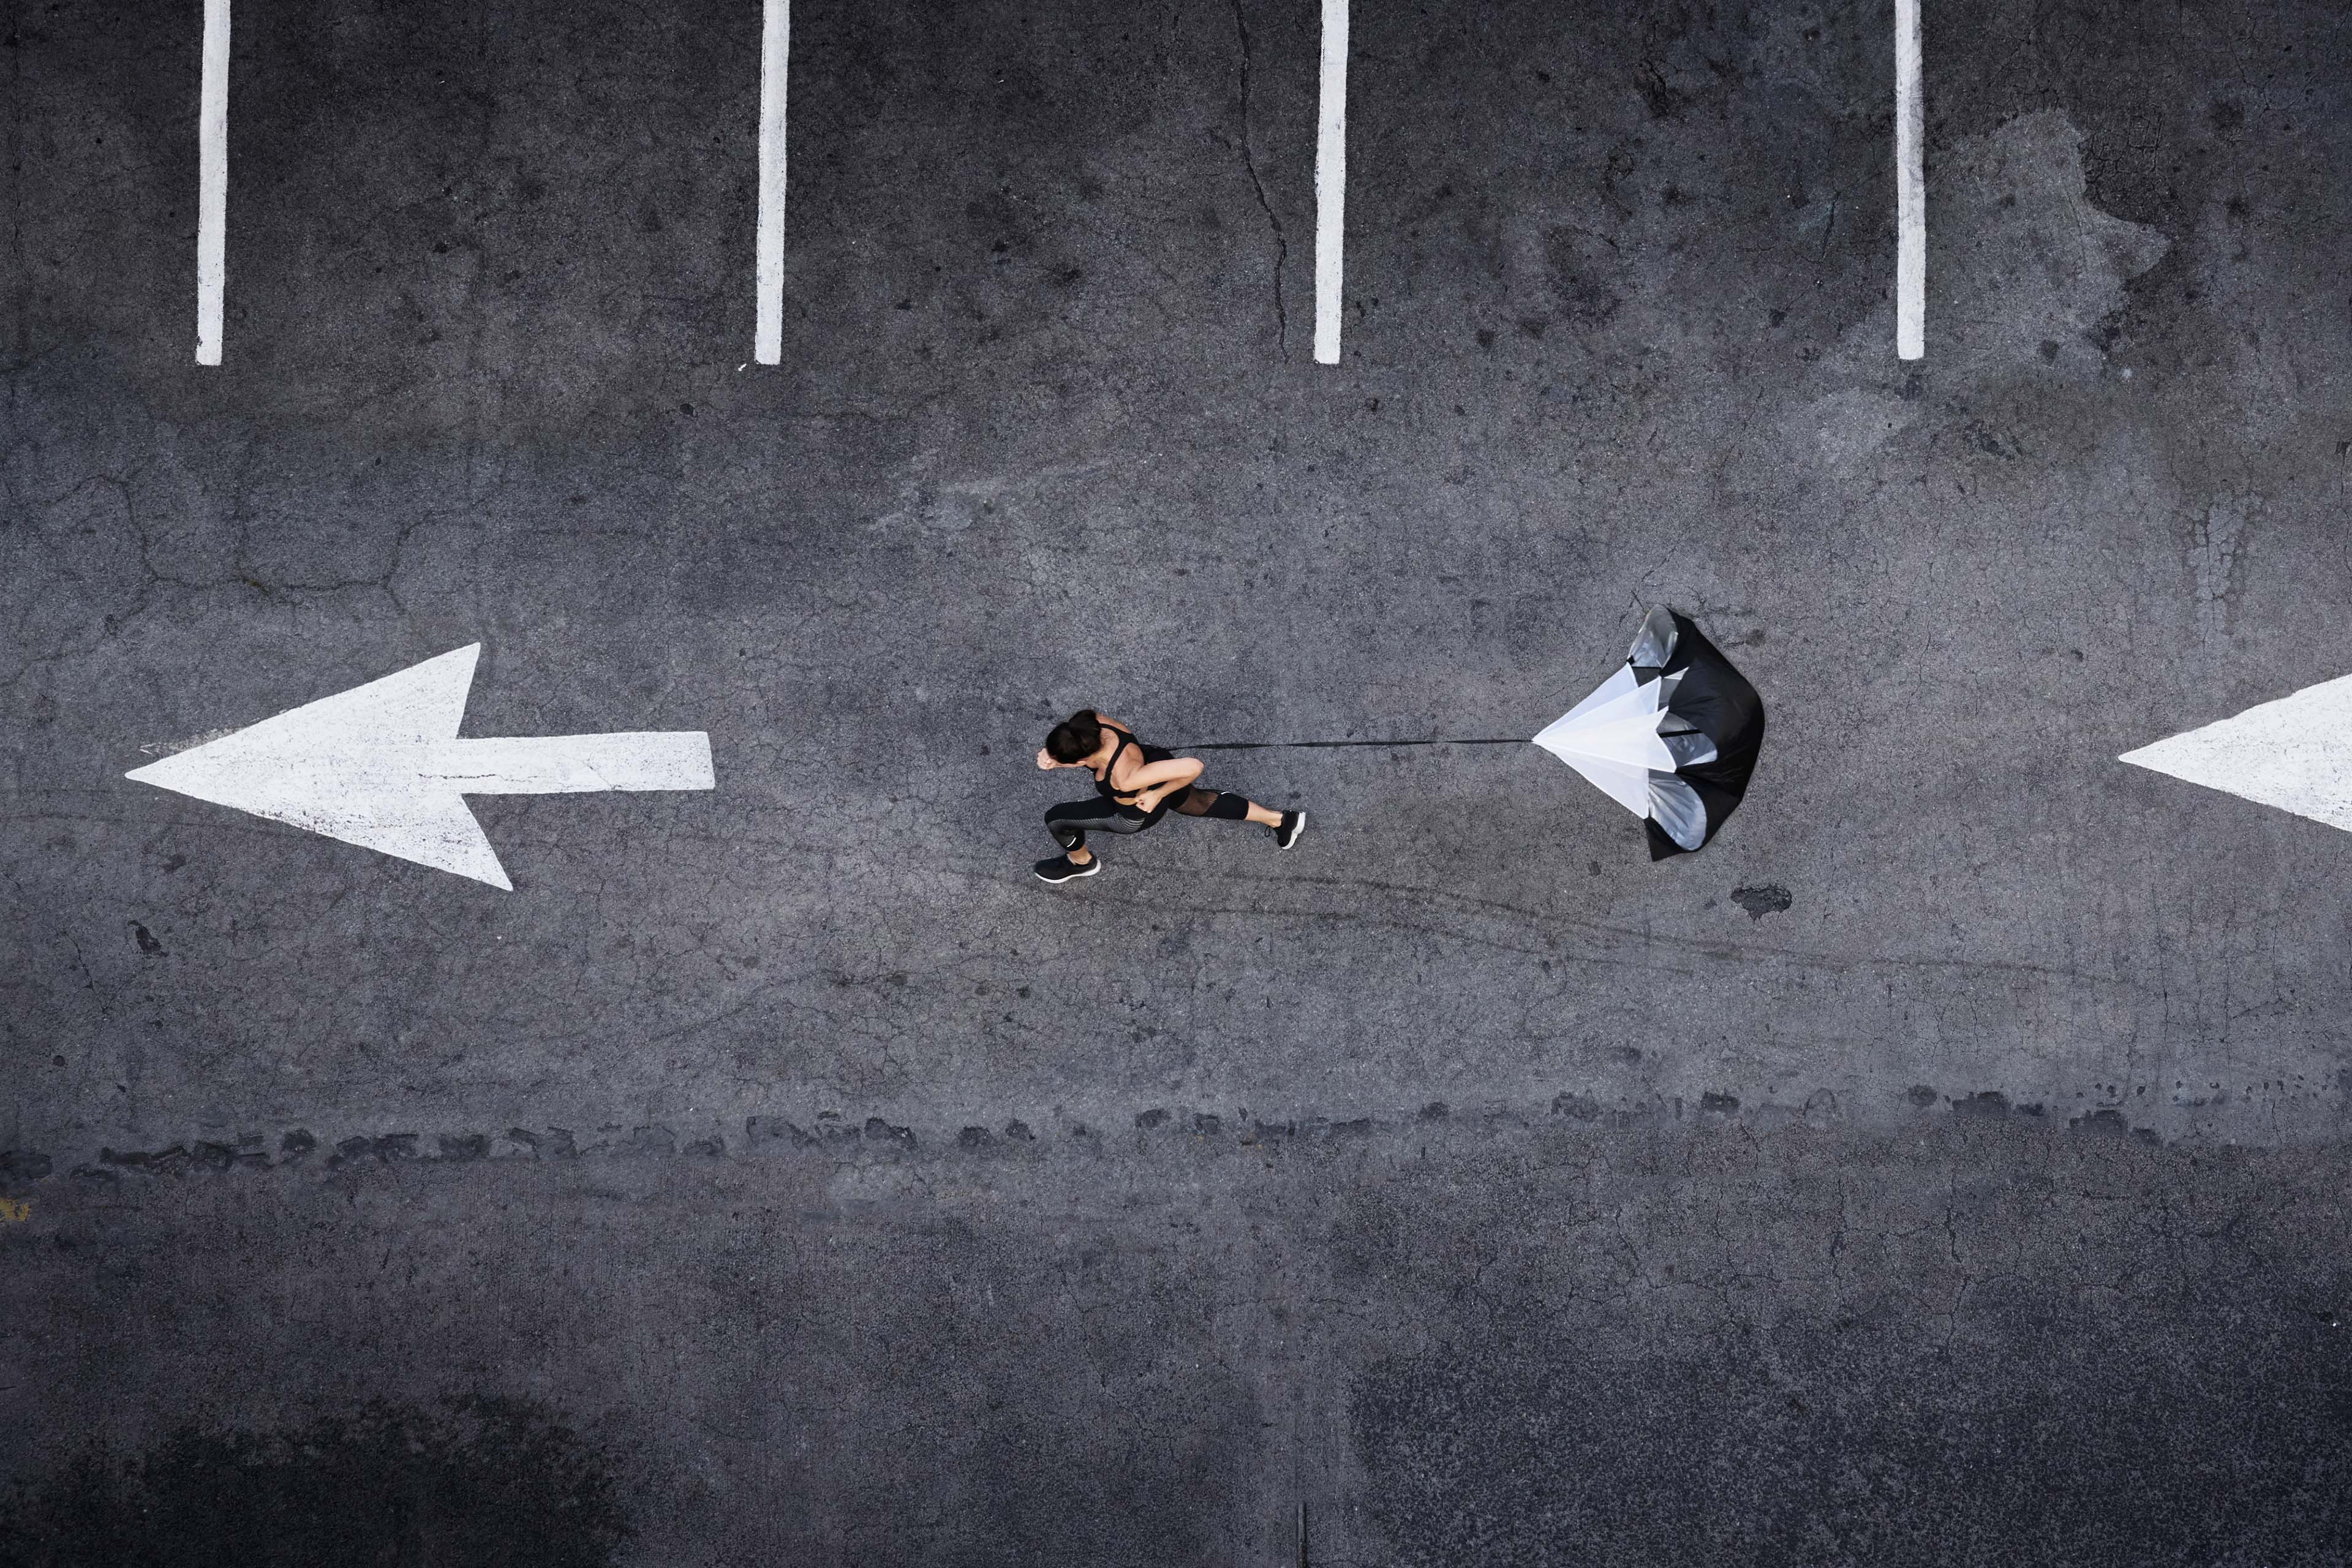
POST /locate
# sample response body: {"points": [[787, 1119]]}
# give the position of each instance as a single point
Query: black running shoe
{"points": [[1059, 869], [1294, 823]]}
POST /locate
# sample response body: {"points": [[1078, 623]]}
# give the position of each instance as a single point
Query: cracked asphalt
{"points": [[1944, 1166]]}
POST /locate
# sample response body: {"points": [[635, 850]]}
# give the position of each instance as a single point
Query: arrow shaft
{"points": [[573, 764]]}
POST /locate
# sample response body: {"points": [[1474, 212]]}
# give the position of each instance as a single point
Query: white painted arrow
{"points": [[381, 765], [2295, 753]]}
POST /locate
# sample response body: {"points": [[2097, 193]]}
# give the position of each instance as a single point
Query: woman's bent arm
{"points": [[1174, 771]]}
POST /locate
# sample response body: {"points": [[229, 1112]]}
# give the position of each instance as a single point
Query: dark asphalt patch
{"points": [[487, 1482]]}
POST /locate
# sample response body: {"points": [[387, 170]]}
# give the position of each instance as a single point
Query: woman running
{"points": [[1137, 784]]}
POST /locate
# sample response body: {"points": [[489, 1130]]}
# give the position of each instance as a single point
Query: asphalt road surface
{"points": [[1943, 1166]]}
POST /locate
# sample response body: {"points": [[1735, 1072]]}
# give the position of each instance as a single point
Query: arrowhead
{"points": [[2295, 753], [349, 766]]}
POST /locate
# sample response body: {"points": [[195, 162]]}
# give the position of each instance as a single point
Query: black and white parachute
{"points": [[1672, 736]]}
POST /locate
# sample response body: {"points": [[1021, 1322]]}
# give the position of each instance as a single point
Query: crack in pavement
{"points": [[1249, 161]]}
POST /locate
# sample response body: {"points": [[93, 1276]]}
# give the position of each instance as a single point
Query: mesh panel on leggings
{"points": [[1225, 806]]}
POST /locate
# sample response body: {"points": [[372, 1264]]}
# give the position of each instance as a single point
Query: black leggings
{"points": [[1071, 821]]}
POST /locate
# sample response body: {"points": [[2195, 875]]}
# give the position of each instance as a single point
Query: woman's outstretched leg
{"points": [[1226, 807]]}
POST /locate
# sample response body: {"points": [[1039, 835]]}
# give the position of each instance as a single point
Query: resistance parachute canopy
{"points": [[1672, 736]]}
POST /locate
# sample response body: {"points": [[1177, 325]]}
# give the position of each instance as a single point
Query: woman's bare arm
{"points": [[1174, 770], [1159, 779]]}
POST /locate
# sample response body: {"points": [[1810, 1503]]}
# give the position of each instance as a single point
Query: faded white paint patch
{"points": [[172, 747], [1848, 427], [2022, 257], [938, 505], [2214, 541], [2025, 270]]}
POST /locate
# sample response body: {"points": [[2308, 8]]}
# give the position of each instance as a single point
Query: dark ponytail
{"points": [[1074, 739]]}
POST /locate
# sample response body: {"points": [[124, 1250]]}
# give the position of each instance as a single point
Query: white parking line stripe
{"points": [[211, 184], [775, 49], [1331, 181], [1910, 189]]}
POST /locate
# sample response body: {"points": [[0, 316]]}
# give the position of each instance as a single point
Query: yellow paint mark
{"points": [[15, 1212]]}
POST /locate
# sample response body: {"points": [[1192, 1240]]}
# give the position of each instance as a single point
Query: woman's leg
{"points": [[1226, 807], [1070, 822]]}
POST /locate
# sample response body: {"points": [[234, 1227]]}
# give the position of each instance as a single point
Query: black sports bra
{"points": [[1150, 754]]}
